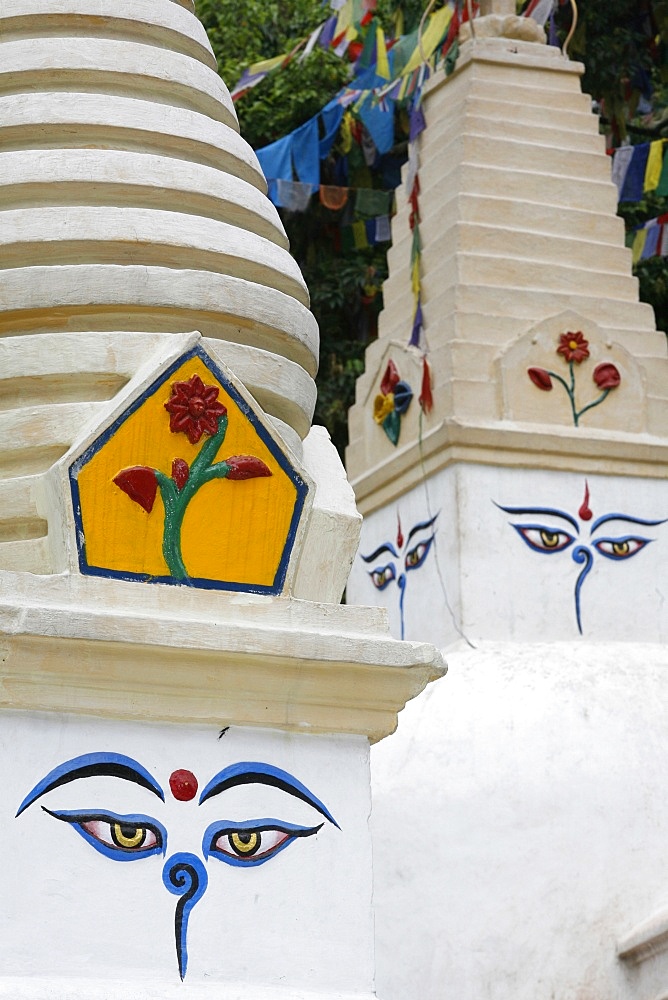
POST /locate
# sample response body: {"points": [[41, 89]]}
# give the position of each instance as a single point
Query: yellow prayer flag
{"points": [[359, 235], [654, 165], [345, 135], [639, 244], [415, 276], [267, 65], [431, 36], [344, 19], [361, 100], [382, 62]]}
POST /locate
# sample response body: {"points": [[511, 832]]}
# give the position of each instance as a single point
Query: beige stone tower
{"points": [[520, 814], [518, 228]]}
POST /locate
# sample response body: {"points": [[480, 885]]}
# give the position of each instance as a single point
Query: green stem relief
{"points": [[175, 502]]}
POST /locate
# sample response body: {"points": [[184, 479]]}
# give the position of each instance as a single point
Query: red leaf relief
{"points": [[246, 467], [426, 399], [140, 484], [390, 378], [540, 378], [180, 472], [606, 376]]}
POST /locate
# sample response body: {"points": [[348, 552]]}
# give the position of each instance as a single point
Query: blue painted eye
{"points": [[620, 548], [417, 556], [382, 575], [122, 838], [544, 539], [251, 843]]}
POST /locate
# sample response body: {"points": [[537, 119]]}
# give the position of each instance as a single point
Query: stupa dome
{"points": [[132, 206]]}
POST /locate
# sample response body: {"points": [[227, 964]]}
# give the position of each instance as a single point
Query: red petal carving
{"points": [[246, 467], [180, 472], [541, 378], [390, 378], [140, 484]]}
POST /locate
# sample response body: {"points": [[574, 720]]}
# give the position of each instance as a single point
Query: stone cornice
{"points": [[76, 645], [510, 444]]}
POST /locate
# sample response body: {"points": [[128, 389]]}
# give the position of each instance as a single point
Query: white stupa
{"points": [[179, 687], [520, 813]]}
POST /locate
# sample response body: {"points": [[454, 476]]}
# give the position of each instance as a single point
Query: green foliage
{"points": [[345, 288], [623, 44]]}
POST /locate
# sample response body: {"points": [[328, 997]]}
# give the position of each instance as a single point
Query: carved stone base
{"points": [[525, 29]]}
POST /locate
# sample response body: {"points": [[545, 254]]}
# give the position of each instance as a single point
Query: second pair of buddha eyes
{"points": [[127, 838], [545, 539], [383, 575]]}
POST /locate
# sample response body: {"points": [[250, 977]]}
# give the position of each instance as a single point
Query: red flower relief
{"points": [[606, 376], [574, 347], [541, 378], [246, 467], [194, 408], [140, 484]]}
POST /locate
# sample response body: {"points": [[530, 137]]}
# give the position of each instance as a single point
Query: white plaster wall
{"points": [[520, 824], [481, 580], [70, 915]]}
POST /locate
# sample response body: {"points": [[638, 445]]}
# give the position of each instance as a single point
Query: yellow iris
{"points": [[128, 836], [550, 539], [245, 843], [621, 548]]}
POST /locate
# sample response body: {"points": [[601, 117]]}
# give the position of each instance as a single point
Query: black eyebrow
{"points": [[420, 527], [249, 773], [628, 519], [93, 765], [540, 510], [387, 547]]}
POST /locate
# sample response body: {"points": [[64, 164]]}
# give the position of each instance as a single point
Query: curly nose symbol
{"points": [[185, 876], [583, 557]]}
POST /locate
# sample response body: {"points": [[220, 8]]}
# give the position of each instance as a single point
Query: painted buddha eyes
{"points": [[382, 576], [544, 539], [417, 556], [413, 559], [620, 548], [251, 843], [123, 838]]}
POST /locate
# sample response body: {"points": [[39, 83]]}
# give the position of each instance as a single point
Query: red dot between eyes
{"points": [[183, 785]]}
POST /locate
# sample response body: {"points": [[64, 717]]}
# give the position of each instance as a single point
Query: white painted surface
{"points": [[482, 581], [520, 820], [302, 920]]}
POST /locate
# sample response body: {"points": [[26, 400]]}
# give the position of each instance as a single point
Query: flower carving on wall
{"points": [[392, 402], [194, 411], [573, 348]]}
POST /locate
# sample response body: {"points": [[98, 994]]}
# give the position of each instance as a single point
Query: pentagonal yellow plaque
{"points": [[188, 486]]}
